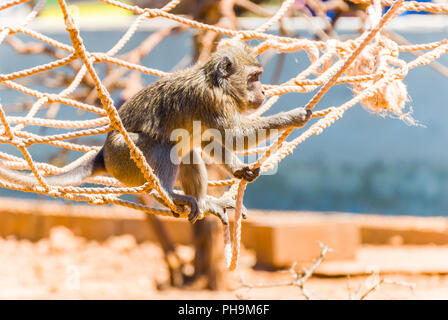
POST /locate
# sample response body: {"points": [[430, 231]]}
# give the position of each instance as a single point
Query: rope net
{"points": [[370, 63]]}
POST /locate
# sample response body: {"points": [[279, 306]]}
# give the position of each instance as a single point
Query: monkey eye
{"points": [[255, 76]]}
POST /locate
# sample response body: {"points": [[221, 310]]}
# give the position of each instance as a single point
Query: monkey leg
{"points": [[193, 179], [120, 165], [158, 157]]}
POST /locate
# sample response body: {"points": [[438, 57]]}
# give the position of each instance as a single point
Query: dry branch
{"points": [[300, 277]]}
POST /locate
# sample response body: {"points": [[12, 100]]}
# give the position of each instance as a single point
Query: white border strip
{"points": [[410, 23]]}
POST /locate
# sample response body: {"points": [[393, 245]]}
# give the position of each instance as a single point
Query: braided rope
{"points": [[332, 61]]}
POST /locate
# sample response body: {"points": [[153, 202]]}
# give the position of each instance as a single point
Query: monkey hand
{"points": [[300, 116], [182, 201], [247, 173]]}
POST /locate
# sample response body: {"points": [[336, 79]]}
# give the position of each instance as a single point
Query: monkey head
{"points": [[236, 71]]}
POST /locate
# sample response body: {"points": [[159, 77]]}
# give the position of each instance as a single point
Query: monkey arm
{"points": [[250, 133], [222, 155], [245, 134]]}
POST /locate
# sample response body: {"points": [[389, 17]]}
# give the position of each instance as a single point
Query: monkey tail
{"points": [[76, 176]]}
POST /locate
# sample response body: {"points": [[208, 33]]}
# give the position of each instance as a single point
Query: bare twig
{"points": [[228, 12], [386, 281], [299, 277], [39, 48], [134, 56], [253, 7]]}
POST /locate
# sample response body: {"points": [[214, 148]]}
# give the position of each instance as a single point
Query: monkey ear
{"points": [[224, 68]]}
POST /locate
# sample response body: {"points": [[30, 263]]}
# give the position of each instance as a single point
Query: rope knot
{"points": [[153, 13]]}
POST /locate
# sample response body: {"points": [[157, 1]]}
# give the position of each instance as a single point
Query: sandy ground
{"points": [[68, 267]]}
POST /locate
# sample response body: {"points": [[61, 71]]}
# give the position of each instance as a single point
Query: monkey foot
{"points": [[247, 174], [181, 202], [219, 206]]}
